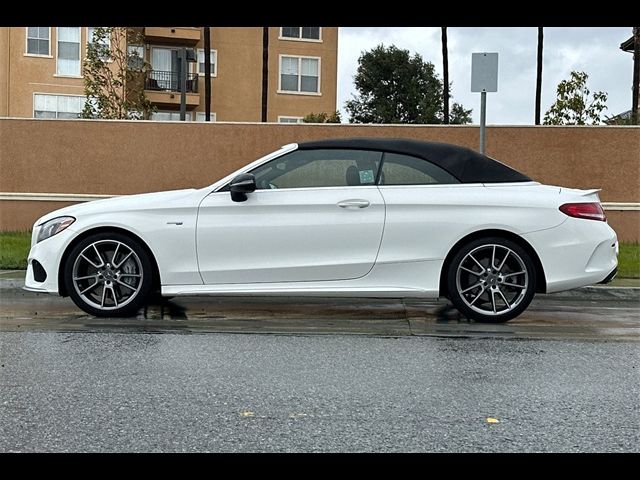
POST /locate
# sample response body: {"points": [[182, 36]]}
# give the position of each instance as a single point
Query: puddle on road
{"points": [[387, 317]]}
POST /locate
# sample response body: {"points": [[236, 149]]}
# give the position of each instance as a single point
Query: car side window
{"points": [[319, 168], [400, 169]]}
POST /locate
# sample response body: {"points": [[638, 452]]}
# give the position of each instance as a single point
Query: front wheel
{"points": [[109, 275], [491, 280]]}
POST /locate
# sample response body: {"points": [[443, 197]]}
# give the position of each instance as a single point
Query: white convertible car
{"points": [[349, 217]]}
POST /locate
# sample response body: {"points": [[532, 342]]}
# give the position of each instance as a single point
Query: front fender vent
{"points": [[39, 273]]}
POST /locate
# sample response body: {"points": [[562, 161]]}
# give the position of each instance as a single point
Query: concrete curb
{"points": [[11, 279]]}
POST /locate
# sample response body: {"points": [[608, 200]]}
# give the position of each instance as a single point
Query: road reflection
{"points": [[548, 317]]}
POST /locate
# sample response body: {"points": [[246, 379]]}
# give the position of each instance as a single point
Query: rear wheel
{"points": [[109, 275], [491, 280]]}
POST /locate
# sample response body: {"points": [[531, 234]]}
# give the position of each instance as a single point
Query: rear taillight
{"points": [[588, 211]]}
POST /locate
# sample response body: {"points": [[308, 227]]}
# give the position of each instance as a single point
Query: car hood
{"points": [[143, 201]]}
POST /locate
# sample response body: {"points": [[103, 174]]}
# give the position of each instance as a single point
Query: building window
{"points": [[68, 63], [300, 33], [57, 106], [299, 74], [170, 116], [200, 116], [214, 62], [38, 41], [105, 42], [283, 119]]}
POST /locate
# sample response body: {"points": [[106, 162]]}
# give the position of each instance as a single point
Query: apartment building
{"points": [[41, 71]]}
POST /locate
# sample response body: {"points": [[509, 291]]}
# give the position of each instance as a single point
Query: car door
{"points": [[316, 215], [427, 209]]}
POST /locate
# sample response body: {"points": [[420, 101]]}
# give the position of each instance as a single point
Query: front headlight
{"points": [[53, 226]]}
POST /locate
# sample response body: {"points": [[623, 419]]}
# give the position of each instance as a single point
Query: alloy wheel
{"points": [[492, 279], [107, 274]]}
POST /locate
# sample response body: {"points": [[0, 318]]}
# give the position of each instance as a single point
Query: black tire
{"points": [[131, 281], [491, 295]]}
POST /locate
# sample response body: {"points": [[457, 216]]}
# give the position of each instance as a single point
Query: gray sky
{"points": [[594, 50]]}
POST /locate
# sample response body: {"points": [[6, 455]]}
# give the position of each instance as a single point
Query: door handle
{"points": [[354, 204]]}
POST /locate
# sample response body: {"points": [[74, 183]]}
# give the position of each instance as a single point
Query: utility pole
{"points": [[207, 74], [182, 72], [539, 74], [265, 71], [636, 75], [445, 75]]}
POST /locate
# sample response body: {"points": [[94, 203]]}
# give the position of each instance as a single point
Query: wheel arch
{"points": [[541, 282], [62, 289]]}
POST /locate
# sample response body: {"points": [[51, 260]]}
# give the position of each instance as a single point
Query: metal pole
{"points": [[445, 76], [483, 120], [635, 114], [182, 56], [265, 72], [207, 74], [539, 74]]}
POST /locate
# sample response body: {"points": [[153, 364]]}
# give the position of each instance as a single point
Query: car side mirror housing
{"points": [[241, 185]]}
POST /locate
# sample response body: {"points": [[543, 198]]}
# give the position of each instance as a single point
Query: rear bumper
{"points": [[576, 253], [611, 276]]}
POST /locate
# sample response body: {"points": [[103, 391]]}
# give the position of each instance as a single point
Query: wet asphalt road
{"points": [[592, 313], [241, 393], [324, 375]]}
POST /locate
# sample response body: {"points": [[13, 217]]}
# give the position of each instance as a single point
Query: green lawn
{"points": [[14, 247], [629, 260]]}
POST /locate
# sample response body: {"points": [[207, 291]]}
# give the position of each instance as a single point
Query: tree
{"points": [[459, 115], [575, 104], [114, 75], [322, 118], [394, 87], [539, 74]]}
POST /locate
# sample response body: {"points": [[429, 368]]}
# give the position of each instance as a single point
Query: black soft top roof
{"points": [[463, 163]]}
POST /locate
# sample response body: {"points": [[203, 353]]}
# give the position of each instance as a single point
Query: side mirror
{"points": [[241, 185]]}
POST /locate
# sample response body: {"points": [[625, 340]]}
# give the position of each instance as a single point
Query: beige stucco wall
{"points": [[30, 74], [626, 224], [236, 91], [294, 105], [237, 87], [124, 157], [4, 71]]}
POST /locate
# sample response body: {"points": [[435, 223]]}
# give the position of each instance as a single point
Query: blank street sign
{"points": [[484, 72]]}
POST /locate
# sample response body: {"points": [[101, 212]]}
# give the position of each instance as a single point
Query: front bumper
{"points": [[48, 253]]}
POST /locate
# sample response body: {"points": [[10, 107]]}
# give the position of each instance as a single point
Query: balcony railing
{"points": [[170, 81]]}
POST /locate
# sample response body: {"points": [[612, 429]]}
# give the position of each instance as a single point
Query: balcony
{"points": [[173, 35], [163, 88], [170, 82]]}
